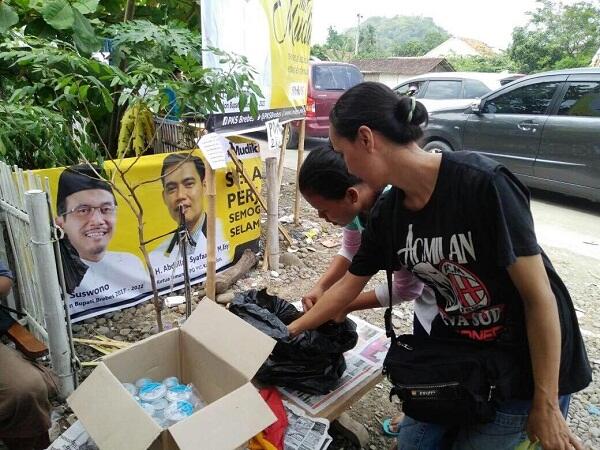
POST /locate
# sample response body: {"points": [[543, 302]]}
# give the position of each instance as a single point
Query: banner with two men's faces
{"points": [[104, 265], [105, 269]]}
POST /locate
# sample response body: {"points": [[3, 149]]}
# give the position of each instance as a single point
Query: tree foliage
{"points": [[400, 36], [381, 37], [557, 36], [53, 74], [498, 63]]}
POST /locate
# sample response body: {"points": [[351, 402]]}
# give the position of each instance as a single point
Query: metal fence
{"points": [[13, 185], [33, 253], [173, 135]]}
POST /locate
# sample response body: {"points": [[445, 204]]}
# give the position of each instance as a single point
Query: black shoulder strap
{"points": [[389, 326]]}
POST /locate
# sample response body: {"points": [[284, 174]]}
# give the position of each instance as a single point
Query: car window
{"points": [[581, 99], [335, 78], [443, 90], [531, 99], [413, 87], [474, 89]]}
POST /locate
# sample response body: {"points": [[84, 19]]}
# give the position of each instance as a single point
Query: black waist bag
{"points": [[449, 381]]}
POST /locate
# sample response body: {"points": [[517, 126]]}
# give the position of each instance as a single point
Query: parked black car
{"points": [[545, 128]]}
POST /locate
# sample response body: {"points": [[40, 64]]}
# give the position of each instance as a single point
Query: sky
{"points": [[490, 21]]}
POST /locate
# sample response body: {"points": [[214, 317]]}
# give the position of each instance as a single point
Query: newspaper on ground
{"points": [[362, 362], [304, 432], [74, 438]]}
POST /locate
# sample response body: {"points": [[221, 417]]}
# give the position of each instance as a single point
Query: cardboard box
{"points": [[216, 351]]}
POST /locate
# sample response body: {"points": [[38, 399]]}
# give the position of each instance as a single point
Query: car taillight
{"points": [[311, 108]]}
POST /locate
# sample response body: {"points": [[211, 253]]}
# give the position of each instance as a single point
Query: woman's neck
{"points": [[368, 196], [415, 172]]}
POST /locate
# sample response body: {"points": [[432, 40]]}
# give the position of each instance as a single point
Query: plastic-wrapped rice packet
{"points": [[167, 402]]}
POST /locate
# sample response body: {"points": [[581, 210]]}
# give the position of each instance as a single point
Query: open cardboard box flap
{"points": [[109, 413], [225, 424], [229, 337], [214, 347]]}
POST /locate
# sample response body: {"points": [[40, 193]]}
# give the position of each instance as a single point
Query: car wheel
{"points": [[437, 146], [292, 138]]}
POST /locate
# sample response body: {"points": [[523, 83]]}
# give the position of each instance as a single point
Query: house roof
{"points": [[452, 46], [479, 46], [401, 65]]}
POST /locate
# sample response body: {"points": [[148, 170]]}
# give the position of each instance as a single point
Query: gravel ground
{"points": [[581, 275]]}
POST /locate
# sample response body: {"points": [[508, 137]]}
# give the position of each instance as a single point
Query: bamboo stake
{"points": [[272, 213], [298, 164], [211, 248]]}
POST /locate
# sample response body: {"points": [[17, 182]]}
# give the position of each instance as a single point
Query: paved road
{"points": [[567, 222], [563, 222]]}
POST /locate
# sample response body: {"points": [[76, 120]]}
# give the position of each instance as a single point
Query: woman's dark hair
{"points": [[324, 173], [398, 118]]}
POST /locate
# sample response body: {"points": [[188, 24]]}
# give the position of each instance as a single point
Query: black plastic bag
{"points": [[311, 362]]}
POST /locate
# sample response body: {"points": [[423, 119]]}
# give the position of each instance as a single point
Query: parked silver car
{"points": [[443, 90], [545, 128]]}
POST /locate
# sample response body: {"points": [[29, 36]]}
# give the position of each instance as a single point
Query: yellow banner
{"points": [[101, 244], [274, 35]]}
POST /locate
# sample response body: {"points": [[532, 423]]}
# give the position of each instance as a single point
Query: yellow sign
{"points": [[102, 256], [274, 36]]}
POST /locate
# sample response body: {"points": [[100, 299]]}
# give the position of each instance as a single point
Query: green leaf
{"points": [[8, 17], [243, 100], [83, 34], [108, 103], [58, 14], [2, 148], [86, 6], [83, 91], [253, 106]]}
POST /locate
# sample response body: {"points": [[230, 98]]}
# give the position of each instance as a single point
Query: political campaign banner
{"points": [[104, 266], [274, 35]]}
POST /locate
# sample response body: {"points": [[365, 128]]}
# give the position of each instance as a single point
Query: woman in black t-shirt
{"points": [[462, 224]]}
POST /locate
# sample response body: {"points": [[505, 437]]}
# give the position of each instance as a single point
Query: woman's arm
{"points": [[546, 423], [333, 301], [336, 270]]}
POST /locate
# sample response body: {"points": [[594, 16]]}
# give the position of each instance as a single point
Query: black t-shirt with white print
{"points": [[476, 224]]}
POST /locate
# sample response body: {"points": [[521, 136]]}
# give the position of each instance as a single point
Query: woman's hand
{"points": [[309, 300], [547, 426]]}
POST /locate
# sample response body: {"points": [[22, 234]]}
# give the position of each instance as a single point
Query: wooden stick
{"points": [[263, 205], [211, 247], [109, 343], [298, 164], [102, 350], [272, 219], [265, 263]]}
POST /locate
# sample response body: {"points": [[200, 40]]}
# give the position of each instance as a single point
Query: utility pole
{"points": [[358, 17]]}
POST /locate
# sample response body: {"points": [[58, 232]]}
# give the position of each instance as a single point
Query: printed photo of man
{"points": [[183, 181], [86, 208]]}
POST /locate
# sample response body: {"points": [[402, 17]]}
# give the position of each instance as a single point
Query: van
{"points": [[327, 81]]}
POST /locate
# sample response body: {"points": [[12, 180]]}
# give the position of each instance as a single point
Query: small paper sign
{"points": [[275, 139], [214, 148]]}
